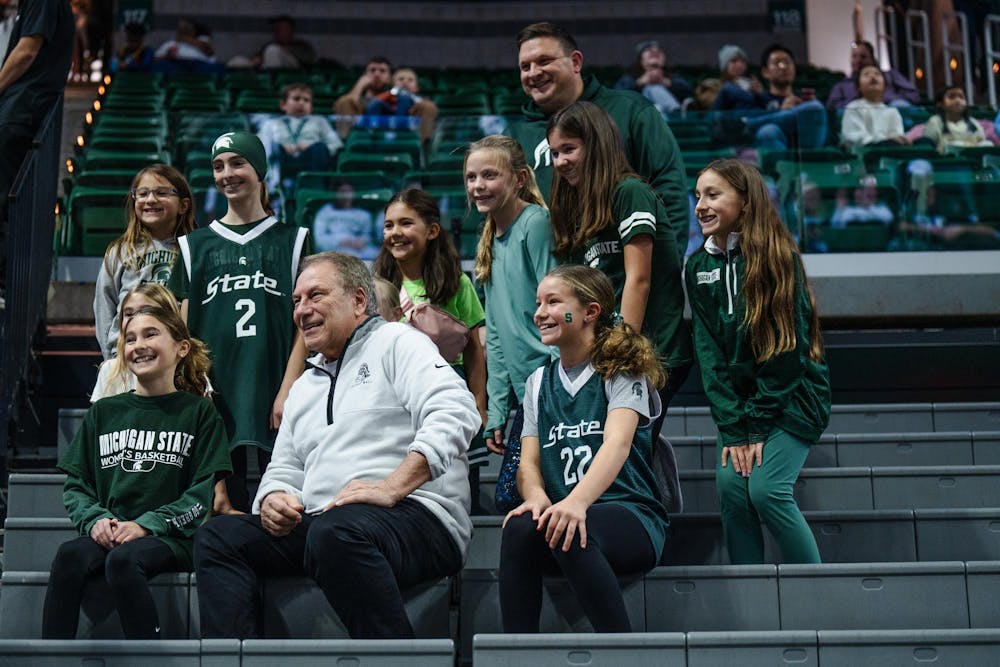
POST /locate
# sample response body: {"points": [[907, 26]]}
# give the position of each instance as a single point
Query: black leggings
{"points": [[617, 544], [127, 569]]}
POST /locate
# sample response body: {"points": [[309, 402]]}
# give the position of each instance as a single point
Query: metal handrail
{"points": [[962, 50]]}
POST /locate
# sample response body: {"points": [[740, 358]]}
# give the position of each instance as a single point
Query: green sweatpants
{"points": [[766, 495]]}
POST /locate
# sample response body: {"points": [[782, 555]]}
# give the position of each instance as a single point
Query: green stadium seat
{"points": [[101, 159], [393, 163]]}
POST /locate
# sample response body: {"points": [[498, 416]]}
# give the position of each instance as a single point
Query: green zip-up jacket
{"points": [[650, 148], [748, 399]]}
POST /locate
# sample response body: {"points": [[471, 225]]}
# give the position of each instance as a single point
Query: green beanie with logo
{"points": [[246, 144]]}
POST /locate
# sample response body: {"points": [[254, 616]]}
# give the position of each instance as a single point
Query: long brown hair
{"points": [[442, 270], [192, 369], [774, 268], [618, 348], [129, 247], [510, 156], [581, 212]]}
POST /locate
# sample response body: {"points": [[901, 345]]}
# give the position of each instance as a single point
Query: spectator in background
{"points": [[733, 67], [899, 92], [285, 50], [32, 78], [342, 226], [398, 100], [869, 120], [648, 75], [297, 141], [134, 55], [792, 119], [371, 84], [952, 125], [190, 50]]}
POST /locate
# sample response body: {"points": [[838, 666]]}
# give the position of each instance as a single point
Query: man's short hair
{"points": [[380, 60], [353, 274], [296, 85], [766, 54], [546, 29]]}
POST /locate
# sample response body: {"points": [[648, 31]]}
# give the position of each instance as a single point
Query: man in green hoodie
{"points": [[550, 66]]}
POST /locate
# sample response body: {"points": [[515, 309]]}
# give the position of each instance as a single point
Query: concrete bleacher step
{"points": [[841, 536], [752, 649], [22, 597], [227, 653], [479, 606], [111, 653], [871, 648], [593, 650], [855, 596], [381, 653]]}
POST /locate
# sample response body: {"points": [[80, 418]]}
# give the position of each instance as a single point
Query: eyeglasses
{"points": [[160, 193]]}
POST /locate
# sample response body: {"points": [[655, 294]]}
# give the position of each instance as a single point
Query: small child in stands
{"points": [[952, 125], [297, 141], [869, 120], [398, 100]]}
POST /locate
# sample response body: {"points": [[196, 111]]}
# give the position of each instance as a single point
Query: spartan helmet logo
{"points": [[225, 141], [139, 465], [637, 389], [243, 261]]}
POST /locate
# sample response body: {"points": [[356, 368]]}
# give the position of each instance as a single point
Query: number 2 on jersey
{"points": [[571, 477], [243, 328]]}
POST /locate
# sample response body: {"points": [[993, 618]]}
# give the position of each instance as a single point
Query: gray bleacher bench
{"points": [[986, 447], [936, 487], [958, 534], [877, 648], [905, 449], [841, 536], [22, 598], [479, 606], [752, 649], [873, 596], [70, 420], [603, 650], [294, 608], [869, 536], [31, 544], [881, 418], [815, 489], [110, 653], [381, 653], [822, 454], [982, 580], [967, 416], [712, 598], [33, 496]]}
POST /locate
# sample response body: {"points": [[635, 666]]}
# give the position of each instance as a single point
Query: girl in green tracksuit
{"points": [[758, 344]]}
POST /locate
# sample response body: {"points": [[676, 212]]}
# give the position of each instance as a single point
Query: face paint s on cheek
{"points": [[569, 317]]}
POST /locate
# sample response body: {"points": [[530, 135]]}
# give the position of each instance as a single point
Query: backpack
{"points": [[448, 332]]}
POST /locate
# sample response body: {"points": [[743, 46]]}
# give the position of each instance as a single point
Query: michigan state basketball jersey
{"points": [[571, 415], [240, 305]]}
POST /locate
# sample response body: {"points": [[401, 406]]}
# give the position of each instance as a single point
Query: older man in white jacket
{"points": [[367, 491]]}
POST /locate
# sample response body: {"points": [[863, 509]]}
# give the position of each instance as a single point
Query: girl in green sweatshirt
{"points": [[139, 478], [757, 340]]}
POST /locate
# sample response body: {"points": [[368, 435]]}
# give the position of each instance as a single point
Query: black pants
{"points": [[675, 378], [127, 569], [616, 544], [359, 555]]}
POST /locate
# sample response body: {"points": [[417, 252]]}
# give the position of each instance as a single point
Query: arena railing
{"points": [[31, 224]]}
